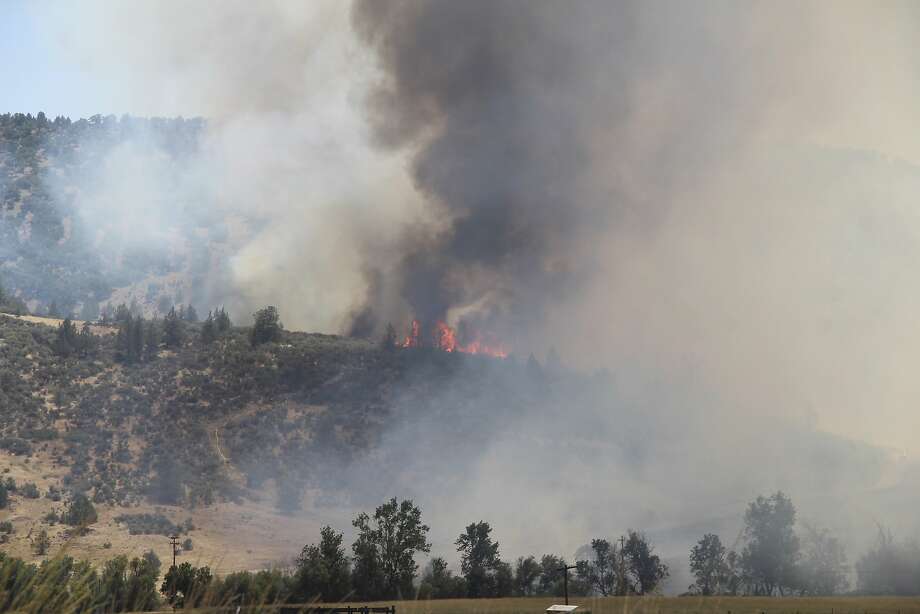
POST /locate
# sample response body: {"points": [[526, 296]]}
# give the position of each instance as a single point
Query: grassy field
{"points": [[669, 605]]}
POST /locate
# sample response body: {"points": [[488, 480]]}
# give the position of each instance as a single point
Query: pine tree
{"points": [[190, 314], [152, 339], [208, 330], [173, 331], [66, 341], [87, 341], [267, 326], [222, 320], [123, 341], [137, 339]]}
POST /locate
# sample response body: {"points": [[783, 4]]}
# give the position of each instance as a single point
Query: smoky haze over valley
{"points": [[708, 211]]}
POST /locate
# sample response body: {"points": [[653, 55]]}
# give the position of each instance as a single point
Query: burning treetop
{"points": [[444, 338]]}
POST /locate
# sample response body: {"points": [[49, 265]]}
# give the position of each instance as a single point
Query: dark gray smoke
{"points": [[523, 117], [494, 99]]}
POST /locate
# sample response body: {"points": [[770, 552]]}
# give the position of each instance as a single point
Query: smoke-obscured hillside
{"points": [[61, 244], [326, 422]]}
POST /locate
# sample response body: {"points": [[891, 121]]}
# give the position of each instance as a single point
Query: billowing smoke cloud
{"points": [[701, 188], [692, 196], [715, 202], [282, 189]]}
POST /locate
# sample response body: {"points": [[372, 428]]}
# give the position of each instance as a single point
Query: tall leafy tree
{"points": [[397, 534], [367, 574], [771, 555], [551, 575], [323, 569], [186, 585], [644, 565], [479, 558], [129, 586], [823, 568], [526, 573], [601, 573], [709, 565]]}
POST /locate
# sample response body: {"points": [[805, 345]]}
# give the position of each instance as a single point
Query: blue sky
{"points": [[34, 78]]}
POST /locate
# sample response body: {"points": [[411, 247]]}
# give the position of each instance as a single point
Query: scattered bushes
{"points": [[16, 445], [151, 524]]}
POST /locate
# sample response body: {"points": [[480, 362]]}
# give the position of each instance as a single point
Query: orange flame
{"points": [[444, 338]]}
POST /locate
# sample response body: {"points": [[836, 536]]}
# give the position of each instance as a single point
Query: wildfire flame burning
{"points": [[444, 338]]}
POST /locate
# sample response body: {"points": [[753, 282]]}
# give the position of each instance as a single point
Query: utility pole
{"points": [[174, 542], [565, 579]]}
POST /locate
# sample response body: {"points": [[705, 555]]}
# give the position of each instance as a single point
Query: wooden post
{"points": [[565, 580], [174, 542]]}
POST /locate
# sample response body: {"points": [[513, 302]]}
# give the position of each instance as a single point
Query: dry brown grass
{"points": [[228, 536], [669, 605], [56, 322]]}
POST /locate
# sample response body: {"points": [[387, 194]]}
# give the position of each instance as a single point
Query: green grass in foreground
{"points": [[669, 605]]}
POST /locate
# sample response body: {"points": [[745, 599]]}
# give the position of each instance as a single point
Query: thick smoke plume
{"points": [[714, 201]]}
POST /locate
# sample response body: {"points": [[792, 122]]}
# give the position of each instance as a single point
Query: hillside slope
{"points": [[228, 434]]}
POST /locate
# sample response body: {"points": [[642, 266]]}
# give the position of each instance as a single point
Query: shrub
{"points": [[80, 512], [30, 490], [148, 524]]}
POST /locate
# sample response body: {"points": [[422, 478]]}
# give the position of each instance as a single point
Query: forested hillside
{"points": [[55, 248]]}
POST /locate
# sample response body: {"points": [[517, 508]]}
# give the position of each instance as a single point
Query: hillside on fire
{"points": [[589, 281], [194, 414], [195, 417]]}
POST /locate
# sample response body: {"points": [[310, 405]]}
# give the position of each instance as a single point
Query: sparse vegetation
{"points": [[150, 524]]}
